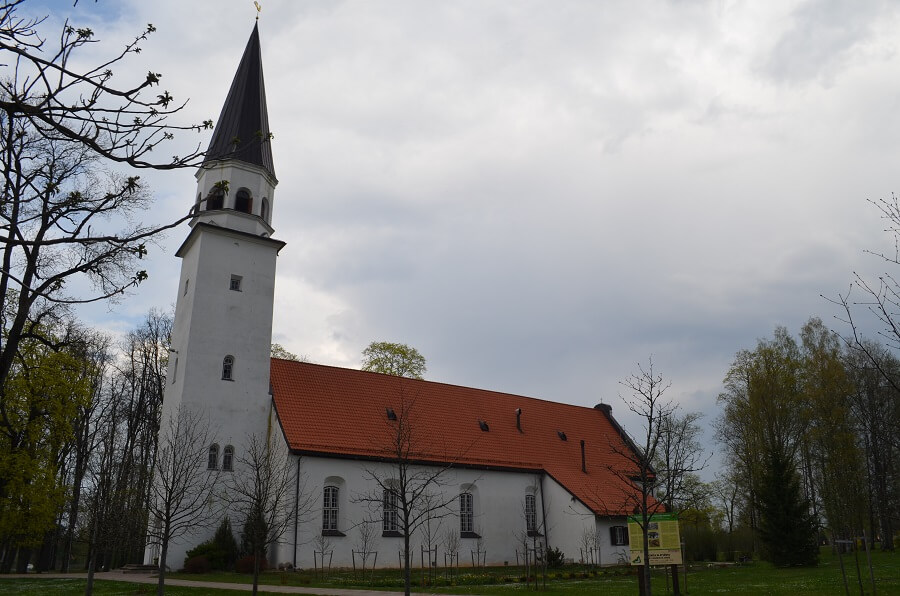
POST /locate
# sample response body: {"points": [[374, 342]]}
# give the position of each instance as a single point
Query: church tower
{"points": [[219, 365]]}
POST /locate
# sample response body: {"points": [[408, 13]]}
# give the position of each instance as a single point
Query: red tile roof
{"points": [[343, 412]]}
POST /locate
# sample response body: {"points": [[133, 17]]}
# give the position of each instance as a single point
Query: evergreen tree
{"points": [[787, 528], [226, 544]]}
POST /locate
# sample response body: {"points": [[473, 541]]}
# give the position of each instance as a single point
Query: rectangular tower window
{"points": [[235, 284]]}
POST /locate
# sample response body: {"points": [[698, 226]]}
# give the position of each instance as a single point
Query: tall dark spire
{"points": [[242, 132]]}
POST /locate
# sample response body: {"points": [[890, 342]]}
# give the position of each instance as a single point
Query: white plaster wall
{"points": [[499, 514], [238, 175], [611, 555], [212, 321], [567, 519]]}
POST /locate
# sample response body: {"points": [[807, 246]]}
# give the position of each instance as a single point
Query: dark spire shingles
{"points": [[242, 131]]}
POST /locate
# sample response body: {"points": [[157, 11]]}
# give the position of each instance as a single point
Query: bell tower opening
{"points": [[243, 202], [215, 199]]}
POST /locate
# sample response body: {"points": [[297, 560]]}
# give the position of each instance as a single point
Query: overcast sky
{"points": [[538, 195]]}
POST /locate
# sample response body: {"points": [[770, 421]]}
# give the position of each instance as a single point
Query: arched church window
{"points": [[215, 199], [466, 513], [243, 202], [264, 210], [390, 517], [213, 461], [530, 514], [330, 508], [228, 368], [228, 458]]}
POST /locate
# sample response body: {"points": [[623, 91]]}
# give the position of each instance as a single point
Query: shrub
{"points": [[220, 552], [197, 564], [555, 557], [208, 551], [245, 564], [227, 545], [254, 534]]}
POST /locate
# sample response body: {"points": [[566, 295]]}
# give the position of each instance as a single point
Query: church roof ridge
{"points": [[446, 384], [242, 132]]}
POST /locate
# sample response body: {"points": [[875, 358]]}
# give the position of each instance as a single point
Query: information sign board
{"points": [[663, 537]]}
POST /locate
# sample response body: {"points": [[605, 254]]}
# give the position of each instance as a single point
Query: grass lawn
{"points": [[59, 587], [753, 578]]}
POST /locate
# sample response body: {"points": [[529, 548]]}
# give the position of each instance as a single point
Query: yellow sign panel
{"points": [[663, 537]]}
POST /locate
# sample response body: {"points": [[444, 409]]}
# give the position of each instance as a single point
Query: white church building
{"points": [[513, 470]]}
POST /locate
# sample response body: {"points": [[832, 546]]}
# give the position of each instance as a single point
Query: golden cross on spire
{"points": [[258, 9]]}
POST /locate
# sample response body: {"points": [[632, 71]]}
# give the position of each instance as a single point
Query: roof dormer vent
{"points": [[562, 435], [484, 425], [519, 419], [391, 415]]}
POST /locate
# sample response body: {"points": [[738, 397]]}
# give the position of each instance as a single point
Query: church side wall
{"points": [[499, 515], [611, 554], [567, 519]]}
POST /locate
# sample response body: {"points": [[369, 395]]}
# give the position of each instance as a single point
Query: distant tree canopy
{"points": [[395, 359], [279, 351]]}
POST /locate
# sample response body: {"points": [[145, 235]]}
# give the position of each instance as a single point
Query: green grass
{"points": [[59, 587], [753, 578], [757, 578]]}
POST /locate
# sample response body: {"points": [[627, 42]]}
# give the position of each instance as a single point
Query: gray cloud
{"points": [[540, 195]]}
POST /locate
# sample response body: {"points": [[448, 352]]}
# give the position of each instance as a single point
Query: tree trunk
{"points": [[89, 587], [161, 584], [22, 560], [407, 584], [46, 560], [646, 544], [256, 556]]}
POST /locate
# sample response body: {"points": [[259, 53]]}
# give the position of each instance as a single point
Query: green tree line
{"points": [[809, 430], [78, 436]]}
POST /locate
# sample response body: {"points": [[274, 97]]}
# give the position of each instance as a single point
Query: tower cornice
{"points": [[200, 227]]}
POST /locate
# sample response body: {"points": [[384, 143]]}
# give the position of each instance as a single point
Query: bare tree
{"points": [[451, 550], [183, 490], [876, 303], [873, 405], [635, 466], [430, 530], [409, 493], [366, 543], [85, 440], [533, 537], [125, 427], [679, 458], [262, 489], [725, 493], [60, 101], [64, 216]]}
